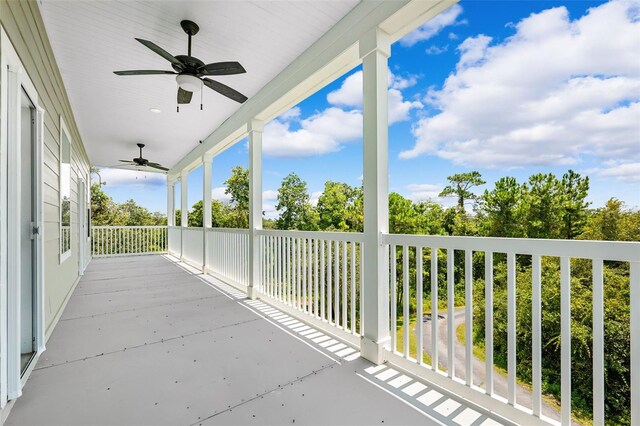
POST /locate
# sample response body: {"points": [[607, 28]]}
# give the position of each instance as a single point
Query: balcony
{"points": [[149, 340], [200, 325], [174, 336]]}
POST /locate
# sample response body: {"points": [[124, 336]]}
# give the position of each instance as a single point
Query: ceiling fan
{"points": [[143, 162], [191, 72]]}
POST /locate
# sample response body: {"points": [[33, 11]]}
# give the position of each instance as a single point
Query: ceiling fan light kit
{"points": [[191, 73], [189, 82]]}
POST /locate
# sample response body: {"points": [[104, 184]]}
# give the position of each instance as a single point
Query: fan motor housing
{"points": [[192, 64]]}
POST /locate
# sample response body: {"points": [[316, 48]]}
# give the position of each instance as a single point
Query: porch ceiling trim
{"points": [[335, 53]]}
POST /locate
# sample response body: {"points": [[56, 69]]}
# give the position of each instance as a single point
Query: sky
{"points": [[507, 88]]}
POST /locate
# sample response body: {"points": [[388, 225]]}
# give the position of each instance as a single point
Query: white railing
{"points": [[318, 274], [193, 246], [227, 254], [127, 240], [408, 254], [174, 243]]}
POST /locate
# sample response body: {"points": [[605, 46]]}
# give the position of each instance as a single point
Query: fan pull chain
{"points": [[201, 98], [177, 108]]}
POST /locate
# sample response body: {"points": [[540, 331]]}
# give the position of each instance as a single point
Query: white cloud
{"points": [[292, 114], [554, 91], [327, 130], [453, 36], [399, 108], [269, 195], [436, 50], [319, 134], [125, 177], [428, 192], [424, 191], [349, 93], [626, 172], [218, 194], [314, 197], [433, 27]]}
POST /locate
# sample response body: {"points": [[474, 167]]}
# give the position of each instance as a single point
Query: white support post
{"points": [[255, 205], [375, 50], [184, 207], [206, 207], [171, 214], [206, 185]]}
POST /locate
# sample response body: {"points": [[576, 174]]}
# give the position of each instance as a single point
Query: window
{"points": [[65, 192]]}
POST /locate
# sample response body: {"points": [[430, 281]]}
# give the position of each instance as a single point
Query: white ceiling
{"points": [[91, 39]]}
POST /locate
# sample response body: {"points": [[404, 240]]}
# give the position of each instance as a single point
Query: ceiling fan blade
{"points": [[184, 97], [221, 68], [143, 72], [160, 51], [225, 90], [128, 161], [157, 166]]}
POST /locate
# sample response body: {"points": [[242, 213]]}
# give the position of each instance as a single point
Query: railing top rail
{"points": [[128, 227], [230, 230], [317, 235], [193, 228], [606, 250]]}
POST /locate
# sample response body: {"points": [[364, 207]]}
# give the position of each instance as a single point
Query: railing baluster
{"points": [[511, 328], [405, 301], [361, 284], [345, 285], [434, 308], [336, 279], [634, 283], [304, 274], [322, 281], [598, 342], [451, 348], [330, 316], [419, 300], [536, 339], [315, 277], [468, 317], [353, 299], [565, 340], [394, 303], [488, 321]]}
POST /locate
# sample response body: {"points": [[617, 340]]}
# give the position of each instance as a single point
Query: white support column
{"points": [[206, 206], [184, 203], [171, 214], [206, 187], [255, 205], [375, 50], [184, 207]]}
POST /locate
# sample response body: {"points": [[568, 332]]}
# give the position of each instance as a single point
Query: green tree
{"points": [[574, 191], [237, 186], [293, 203], [542, 206], [338, 207], [460, 185], [403, 218], [500, 210]]}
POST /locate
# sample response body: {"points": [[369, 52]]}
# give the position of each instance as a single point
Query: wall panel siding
{"points": [[23, 24]]}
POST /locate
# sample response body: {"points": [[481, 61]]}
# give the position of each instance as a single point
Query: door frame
{"points": [[14, 79]]}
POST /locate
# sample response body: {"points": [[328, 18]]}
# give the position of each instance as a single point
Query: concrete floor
{"points": [[145, 340]]}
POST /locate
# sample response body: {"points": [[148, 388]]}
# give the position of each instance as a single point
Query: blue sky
{"points": [[506, 88]]}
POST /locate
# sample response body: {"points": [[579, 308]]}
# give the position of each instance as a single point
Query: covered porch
{"points": [[164, 344]]}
